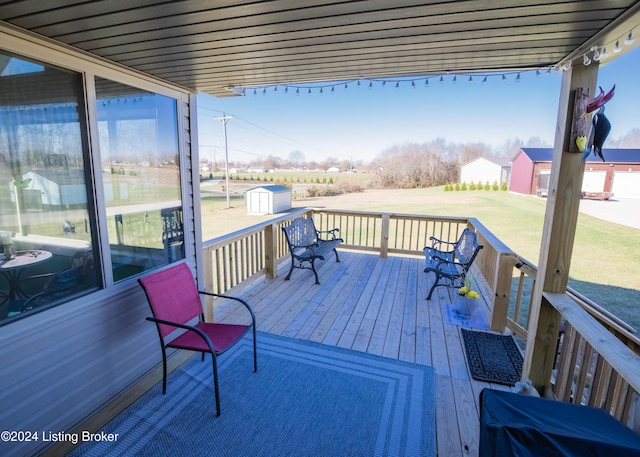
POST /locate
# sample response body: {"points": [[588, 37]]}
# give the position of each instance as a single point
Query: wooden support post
{"points": [[558, 233], [271, 250]]}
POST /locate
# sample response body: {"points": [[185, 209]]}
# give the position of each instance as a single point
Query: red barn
{"points": [[620, 174]]}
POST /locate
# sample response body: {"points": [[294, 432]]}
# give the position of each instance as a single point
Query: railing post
{"points": [[502, 291], [208, 284], [384, 238], [271, 250]]}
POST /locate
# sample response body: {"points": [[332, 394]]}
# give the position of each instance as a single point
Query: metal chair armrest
{"points": [[331, 232], [246, 305], [186, 327]]}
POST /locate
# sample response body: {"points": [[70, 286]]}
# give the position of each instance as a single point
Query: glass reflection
{"points": [[47, 255], [140, 171]]}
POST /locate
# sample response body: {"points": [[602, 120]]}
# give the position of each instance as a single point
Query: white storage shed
{"points": [[268, 199]]}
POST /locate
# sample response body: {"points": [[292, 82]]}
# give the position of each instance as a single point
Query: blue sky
{"points": [[358, 123]]}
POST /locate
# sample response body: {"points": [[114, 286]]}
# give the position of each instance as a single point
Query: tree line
{"points": [[437, 162]]}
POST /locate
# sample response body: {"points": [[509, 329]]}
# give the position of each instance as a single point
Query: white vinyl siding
{"points": [[62, 364]]}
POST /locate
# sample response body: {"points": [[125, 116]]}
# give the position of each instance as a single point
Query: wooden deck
{"points": [[367, 303]]}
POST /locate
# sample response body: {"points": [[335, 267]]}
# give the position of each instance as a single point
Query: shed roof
{"points": [[276, 188], [612, 155], [499, 161], [61, 177], [218, 46]]}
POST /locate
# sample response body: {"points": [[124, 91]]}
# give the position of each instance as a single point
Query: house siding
{"points": [[480, 170], [61, 365]]}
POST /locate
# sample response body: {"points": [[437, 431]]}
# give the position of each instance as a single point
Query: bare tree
{"points": [[272, 162], [296, 157], [416, 165]]}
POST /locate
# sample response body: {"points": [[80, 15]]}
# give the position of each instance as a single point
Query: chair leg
{"points": [[164, 370], [313, 267], [290, 270], [435, 284], [336, 253], [215, 383]]}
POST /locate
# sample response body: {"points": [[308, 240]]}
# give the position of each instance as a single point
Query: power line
{"points": [[263, 129]]}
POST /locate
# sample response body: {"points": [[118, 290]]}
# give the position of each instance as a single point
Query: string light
{"points": [[600, 52], [629, 40], [596, 54], [397, 83], [617, 47]]}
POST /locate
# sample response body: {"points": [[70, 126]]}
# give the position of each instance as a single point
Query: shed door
{"points": [[259, 202], [626, 184], [264, 202]]}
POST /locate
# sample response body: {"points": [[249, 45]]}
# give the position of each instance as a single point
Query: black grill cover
{"points": [[522, 426]]}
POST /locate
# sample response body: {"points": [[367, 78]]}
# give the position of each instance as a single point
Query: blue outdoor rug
{"points": [[306, 399]]}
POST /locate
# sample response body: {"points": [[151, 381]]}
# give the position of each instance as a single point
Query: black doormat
{"points": [[492, 358]]}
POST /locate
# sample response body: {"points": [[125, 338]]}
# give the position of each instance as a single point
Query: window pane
{"points": [[47, 236], [140, 170]]}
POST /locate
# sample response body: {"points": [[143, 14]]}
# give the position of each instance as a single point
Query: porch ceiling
{"points": [[212, 46]]}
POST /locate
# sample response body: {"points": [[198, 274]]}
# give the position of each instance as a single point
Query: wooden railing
{"points": [[598, 355], [231, 259], [598, 360], [594, 367]]}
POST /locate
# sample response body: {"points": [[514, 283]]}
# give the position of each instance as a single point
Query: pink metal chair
{"points": [[175, 304]]}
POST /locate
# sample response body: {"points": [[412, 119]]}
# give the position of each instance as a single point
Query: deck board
{"points": [[374, 305]]}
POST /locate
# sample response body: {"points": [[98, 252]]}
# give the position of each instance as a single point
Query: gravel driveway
{"points": [[624, 211]]}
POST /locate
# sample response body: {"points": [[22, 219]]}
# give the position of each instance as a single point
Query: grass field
{"points": [[606, 256]]}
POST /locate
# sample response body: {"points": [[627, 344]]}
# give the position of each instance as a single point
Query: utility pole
{"points": [[224, 119]]}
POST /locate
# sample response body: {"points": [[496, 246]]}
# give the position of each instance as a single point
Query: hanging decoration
{"points": [[600, 125]]}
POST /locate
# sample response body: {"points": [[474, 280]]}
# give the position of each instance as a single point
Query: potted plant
{"points": [[466, 296]]}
